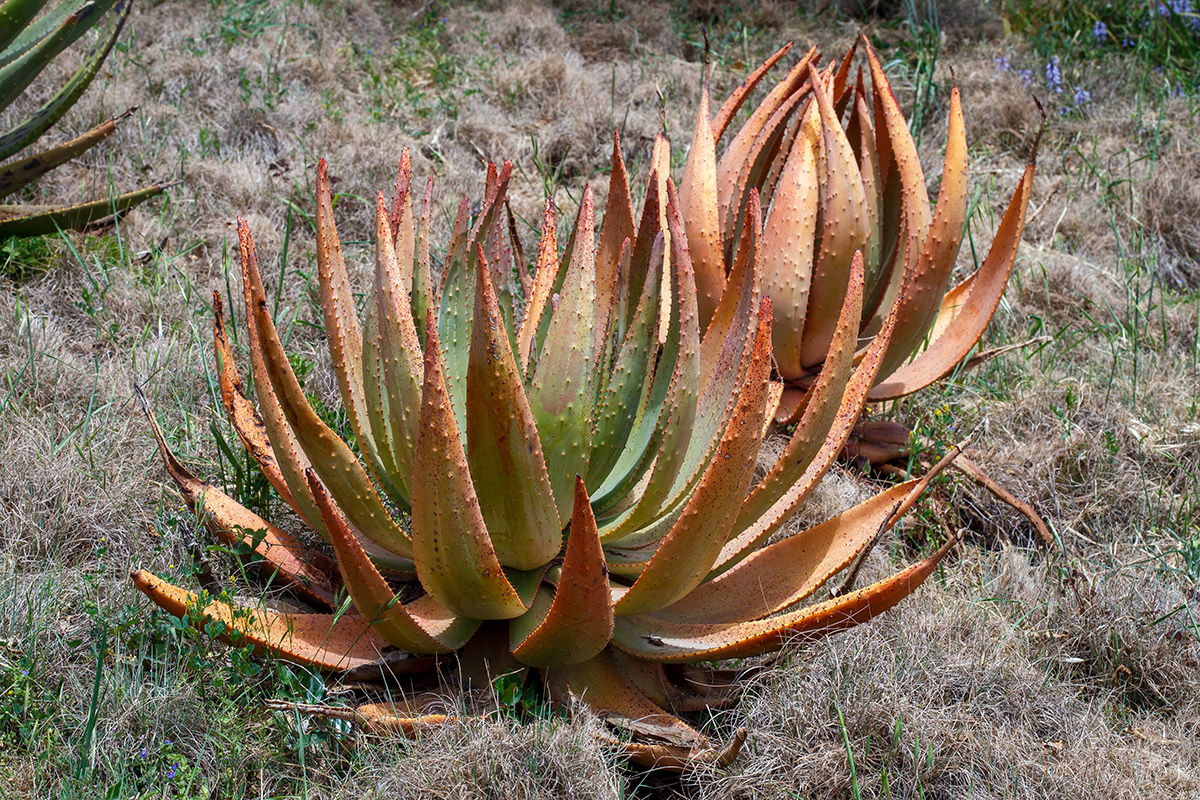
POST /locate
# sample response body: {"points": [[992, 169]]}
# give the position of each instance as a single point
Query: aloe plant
{"points": [[27, 46], [565, 460], [836, 170]]}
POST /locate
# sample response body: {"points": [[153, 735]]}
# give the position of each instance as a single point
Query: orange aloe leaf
{"points": [[724, 350], [656, 639], [577, 624], [755, 171], [844, 211], [698, 204], [786, 572], [344, 333], [905, 211], [508, 469], [763, 515], [925, 287], [333, 460], [618, 226], [544, 278], [741, 150], [456, 562], [789, 402], [397, 407], [985, 288], [422, 293], [403, 195], [660, 180], [305, 571], [241, 412], [290, 457], [694, 540], [788, 240], [439, 632], [642, 261], [323, 641], [821, 409], [841, 91], [861, 133], [729, 108]]}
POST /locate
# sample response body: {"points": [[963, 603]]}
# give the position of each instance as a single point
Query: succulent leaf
{"points": [[323, 641], [692, 544], [455, 559], [37, 220], [982, 296], [576, 623], [647, 636], [562, 392], [844, 231], [333, 460], [436, 630], [508, 469]]}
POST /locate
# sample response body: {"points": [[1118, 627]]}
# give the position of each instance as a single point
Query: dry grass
{"points": [[1015, 674]]}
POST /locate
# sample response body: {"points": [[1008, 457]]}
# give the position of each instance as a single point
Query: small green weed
{"points": [[22, 258], [414, 73]]}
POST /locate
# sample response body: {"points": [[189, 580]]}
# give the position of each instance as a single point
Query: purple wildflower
{"points": [[1054, 74], [143, 753], [1026, 76], [1003, 64], [1099, 31], [1128, 42], [1082, 95], [174, 769]]}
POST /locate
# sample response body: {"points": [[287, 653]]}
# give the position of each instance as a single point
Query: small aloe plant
{"points": [[28, 42]]}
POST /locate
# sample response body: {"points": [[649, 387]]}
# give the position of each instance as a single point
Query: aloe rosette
{"points": [[29, 41], [565, 460], [837, 172]]}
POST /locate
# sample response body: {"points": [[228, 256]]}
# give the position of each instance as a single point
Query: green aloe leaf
{"points": [[507, 465], [628, 386], [643, 440], [29, 220], [672, 451], [562, 393], [456, 561], [14, 17], [19, 67], [458, 289], [53, 109]]}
